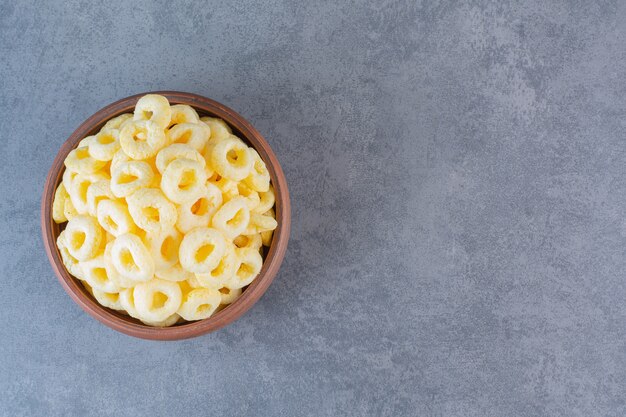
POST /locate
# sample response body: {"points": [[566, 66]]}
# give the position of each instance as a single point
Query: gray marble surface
{"points": [[458, 185]]}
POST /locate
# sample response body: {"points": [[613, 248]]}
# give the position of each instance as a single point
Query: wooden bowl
{"points": [[273, 258]]}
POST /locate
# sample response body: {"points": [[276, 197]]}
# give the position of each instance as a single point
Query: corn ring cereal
{"points": [[97, 276], [131, 258], [182, 113], [72, 264], [109, 300], [156, 300], [100, 175], [175, 274], [156, 179], [86, 141], [238, 139], [251, 196], [266, 237], [141, 139], [96, 192], [231, 159], [259, 177], [267, 200], [229, 295], [193, 135], [117, 122], [248, 267], [198, 213], [232, 218], [80, 160], [83, 237], [119, 156], [114, 275], [69, 211], [248, 241], [127, 301], [68, 177], [229, 194], [183, 180], [164, 247], [153, 108], [170, 321], [186, 286], [105, 145], [219, 128], [201, 250], [129, 176], [58, 205], [260, 223], [199, 303], [227, 187], [190, 284], [177, 151], [223, 271], [114, 217], [78, 193], [151, 211]]}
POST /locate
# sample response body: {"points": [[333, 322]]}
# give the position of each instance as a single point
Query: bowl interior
{"points": [[272, 256]]}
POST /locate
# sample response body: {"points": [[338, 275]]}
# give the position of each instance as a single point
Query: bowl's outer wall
{"points": [[273, 259]]}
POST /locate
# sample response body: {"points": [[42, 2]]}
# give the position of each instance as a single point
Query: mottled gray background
{"points": [[458, 185]]}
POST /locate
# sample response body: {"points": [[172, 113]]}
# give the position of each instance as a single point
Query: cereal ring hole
{"points": [[204, 308], [232, 156], [127, 259], [184, 138], [77, 239], [100, 275], [169, 248], [244, 190], [151, 213], [140, 136], [110, 223], [237, 157], [105, 138], [147, 114], [225, 290], [245, 270], [237, 218], [204, 252], [200, 207], [82, 189], [159, 299], [219, 269], [82, 153], [241, 241], [188, 179], [127, 178], [99, 199]]}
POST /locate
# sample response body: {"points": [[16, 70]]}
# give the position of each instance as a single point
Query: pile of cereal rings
{"points": [[167, 213]]}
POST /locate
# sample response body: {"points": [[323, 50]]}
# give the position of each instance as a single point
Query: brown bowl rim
{"points": [[253, 292]]}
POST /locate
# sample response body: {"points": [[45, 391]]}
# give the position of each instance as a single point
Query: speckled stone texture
{"points": [[458, 185]]}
